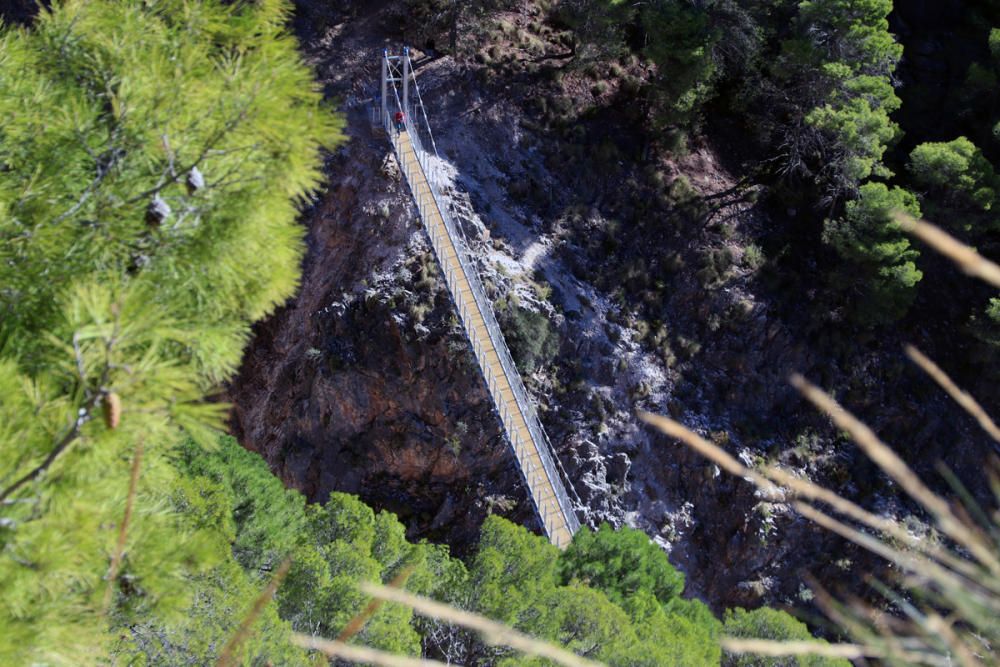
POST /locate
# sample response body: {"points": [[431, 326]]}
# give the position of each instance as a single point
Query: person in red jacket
{"points": [[400, 121]]}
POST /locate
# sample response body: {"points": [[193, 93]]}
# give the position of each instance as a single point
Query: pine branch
{"points": [[84, 413], [83, 416], [217, 137]]}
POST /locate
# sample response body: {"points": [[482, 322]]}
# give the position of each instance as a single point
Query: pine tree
{"points": [[767, 623], [880, 267], [960, 183], [834, 87], [151, 157]]}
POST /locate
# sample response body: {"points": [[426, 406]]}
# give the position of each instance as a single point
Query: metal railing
{"points": [[538, 481]]}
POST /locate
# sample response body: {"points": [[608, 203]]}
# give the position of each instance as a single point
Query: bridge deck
{"points": [[515, 422]]}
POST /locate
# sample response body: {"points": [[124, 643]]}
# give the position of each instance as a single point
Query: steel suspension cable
{"points": [[423, 110]]}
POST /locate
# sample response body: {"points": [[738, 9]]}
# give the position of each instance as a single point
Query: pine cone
{"points": [[112, 410]]}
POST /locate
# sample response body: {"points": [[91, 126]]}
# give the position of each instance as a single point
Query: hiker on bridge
{"points": [[400, 121]]}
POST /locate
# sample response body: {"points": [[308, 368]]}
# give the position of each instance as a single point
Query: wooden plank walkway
{"points": [[558, 527]]}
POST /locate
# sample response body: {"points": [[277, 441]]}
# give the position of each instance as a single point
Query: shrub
{"points": [[753, 257], [532, 339]]}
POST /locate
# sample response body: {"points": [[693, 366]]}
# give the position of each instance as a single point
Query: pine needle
{"points": [[966, 257], [361, 654], [229, 656], [968, 403], [118, 553], [492, 632]]}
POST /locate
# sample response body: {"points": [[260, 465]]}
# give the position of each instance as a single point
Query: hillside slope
{"points": [[660, 286]]}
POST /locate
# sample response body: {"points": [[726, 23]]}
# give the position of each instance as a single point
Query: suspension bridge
{"points": [[396, 112]]}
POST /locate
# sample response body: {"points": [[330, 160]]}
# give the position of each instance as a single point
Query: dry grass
{"points": [[492, 632], [968, 403], [946, 609], [894, 466], [776, 648], [230, 655], [361, 654], [964, 256], [116, 556], [960, 580]]}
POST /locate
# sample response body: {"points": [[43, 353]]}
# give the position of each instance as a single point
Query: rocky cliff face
{"points": [[647, 272], [365, 383]]}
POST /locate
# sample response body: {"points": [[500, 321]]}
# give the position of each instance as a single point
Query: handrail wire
{"points": [[423, 110]]}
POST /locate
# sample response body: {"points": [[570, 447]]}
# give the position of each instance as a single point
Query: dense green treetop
{"points": [[958, 176], [620, 563], [881, 261], [176, 140], [765, 623]]}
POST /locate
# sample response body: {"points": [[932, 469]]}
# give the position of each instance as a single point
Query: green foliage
{"points": [[532, 339], [229, 495], [597, 27], [986, 325], [957, 174], [266, 516], [221, 597], [994, 43], [882, 262], [122, 128], [62, 522], [681, 44], [837, 69], [344, 542], [679, 39], [765, 623], [511, 570], [855, 118], [573, 598], [620, 563], [112, 109]]}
